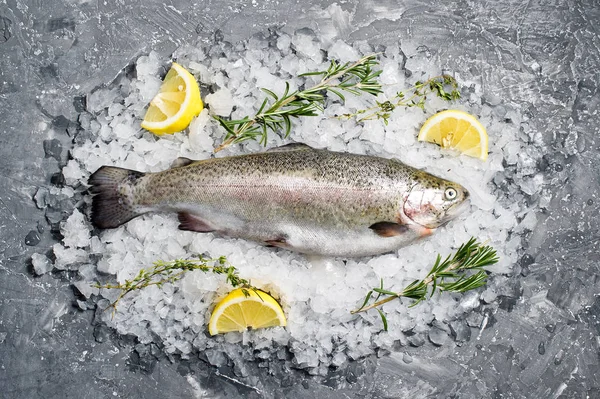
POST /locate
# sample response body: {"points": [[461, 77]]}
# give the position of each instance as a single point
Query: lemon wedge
{"points": [[176, 104], [456, 130], [243, 308]]}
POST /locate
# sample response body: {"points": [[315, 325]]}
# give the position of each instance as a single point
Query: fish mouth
{"points": [[456, 209]]}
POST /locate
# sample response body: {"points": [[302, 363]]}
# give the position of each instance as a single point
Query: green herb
{"points": [[169, 272], [444, 86], [276, 112], [461, 272]]}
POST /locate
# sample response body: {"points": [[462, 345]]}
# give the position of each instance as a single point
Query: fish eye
{"points": [[450, 194]]}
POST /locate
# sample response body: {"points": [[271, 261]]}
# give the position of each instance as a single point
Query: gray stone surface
{"points": [[539, 339]]}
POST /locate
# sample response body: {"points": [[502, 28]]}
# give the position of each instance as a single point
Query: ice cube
{"points": [[220, 102], [41, 264]]}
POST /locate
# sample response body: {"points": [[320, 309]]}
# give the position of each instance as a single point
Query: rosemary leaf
{"points": [[162, 272], [366, 299], [275, 112], [453, 274], [383, 319], [412, 97]]}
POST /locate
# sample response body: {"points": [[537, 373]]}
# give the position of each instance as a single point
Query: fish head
{"points": [[433, 202]]}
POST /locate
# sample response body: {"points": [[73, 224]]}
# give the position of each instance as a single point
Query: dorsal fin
{"points": [[290, 147], [181, 161]]}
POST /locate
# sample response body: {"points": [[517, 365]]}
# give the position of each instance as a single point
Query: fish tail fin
{"points": [[113, 203]]}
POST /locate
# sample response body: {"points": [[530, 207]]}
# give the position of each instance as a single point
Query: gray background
{"points": [[543, 334]]}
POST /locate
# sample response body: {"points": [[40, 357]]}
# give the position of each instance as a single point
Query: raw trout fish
{"points": [[296, 197]]}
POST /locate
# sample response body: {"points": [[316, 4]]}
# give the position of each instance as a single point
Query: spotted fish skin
{"points": [[295, 197]]}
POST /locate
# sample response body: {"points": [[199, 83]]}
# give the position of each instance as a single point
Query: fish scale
{"points": [[295, 197]]}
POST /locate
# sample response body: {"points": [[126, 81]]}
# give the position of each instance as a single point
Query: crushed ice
{"points": [[317, 295]]}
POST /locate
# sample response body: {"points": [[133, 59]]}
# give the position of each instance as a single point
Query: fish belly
{"points": [[350, 243], [298, 235]]}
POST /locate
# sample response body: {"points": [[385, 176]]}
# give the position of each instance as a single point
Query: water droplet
{"points": [[559, 356], [558, 167], [590, 202], [551, 328], [541, 348], [32, 238]]}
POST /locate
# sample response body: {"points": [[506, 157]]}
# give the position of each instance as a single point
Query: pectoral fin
{"points": [[388, 229], [190, 222]]}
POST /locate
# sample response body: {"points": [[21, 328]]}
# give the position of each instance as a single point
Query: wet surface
{"points": [[538, 338]]}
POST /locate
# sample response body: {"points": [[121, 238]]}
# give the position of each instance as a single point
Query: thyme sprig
{"points": [[443, 86], [276, 112], [460, 272], [163, 272]]}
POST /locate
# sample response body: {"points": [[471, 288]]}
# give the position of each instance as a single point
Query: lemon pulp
{"points": [[456, 130], [245, 308], [176, 104]]}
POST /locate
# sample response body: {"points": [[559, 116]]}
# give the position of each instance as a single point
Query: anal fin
{"points": [[279, 242], [190, 222], [388, 229]]}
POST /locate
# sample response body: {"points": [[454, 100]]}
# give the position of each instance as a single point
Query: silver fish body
{"points": [[295, 197]]}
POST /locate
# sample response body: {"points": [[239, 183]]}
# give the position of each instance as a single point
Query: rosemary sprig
{"points": [[163, 272], [453, 274], [276, 112], [443, 86]]}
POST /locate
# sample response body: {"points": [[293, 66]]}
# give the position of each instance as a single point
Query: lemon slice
{"points": [[239, 310], [456, 130], [175, 105]]}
